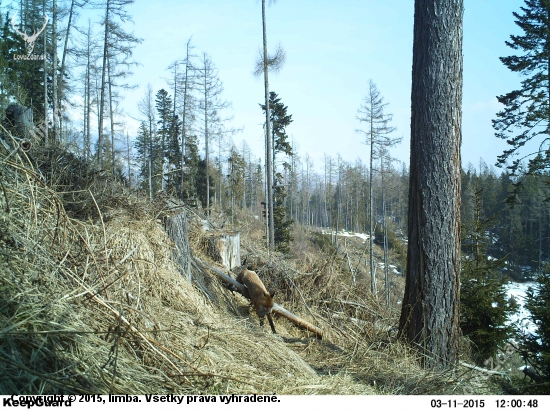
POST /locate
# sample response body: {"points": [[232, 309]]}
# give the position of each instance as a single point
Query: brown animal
{"points": [[260, 298]]}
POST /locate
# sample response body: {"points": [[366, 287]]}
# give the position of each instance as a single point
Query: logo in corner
{"points": [[29, 40]]}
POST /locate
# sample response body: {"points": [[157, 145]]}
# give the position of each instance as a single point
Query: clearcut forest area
{"points": [[210, 228]]}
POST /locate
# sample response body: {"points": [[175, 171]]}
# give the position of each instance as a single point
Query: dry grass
{"points": [[360, 331], [92, 302]]}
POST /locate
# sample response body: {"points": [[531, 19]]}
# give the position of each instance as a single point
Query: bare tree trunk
{"points": [[54, 75], [146, 109], [63, 58], [184, 114], [325, 224], [150, 164], [385, 235], [128, 154], [429, 317], [338, 200], [268, 160], [102, 86], [371, 212], [66, 45], [111, 116], [46, 137], [88, 109], [85, 117], [206, 138]]}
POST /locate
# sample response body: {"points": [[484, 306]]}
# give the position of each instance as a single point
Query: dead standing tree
{"points": [[211, 106], [263, 65], [184, 85], [377, 134], [117, 49]]}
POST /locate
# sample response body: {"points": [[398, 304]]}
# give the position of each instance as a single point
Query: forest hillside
{"points": [[125, 161], [92, 302]]}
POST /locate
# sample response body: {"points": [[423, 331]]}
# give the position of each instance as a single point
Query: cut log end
{"points": [[225, 248]]}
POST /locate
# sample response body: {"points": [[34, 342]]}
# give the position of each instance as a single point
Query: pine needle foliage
{"points": [[536, 347], [526, 115], [485, 307]]}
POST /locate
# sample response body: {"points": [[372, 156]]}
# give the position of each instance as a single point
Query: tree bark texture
{"points": [[19, 121], [429, 317], [176, 228]]}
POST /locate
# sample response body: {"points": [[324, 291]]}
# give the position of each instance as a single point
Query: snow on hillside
{"points": [[364, 237], [519, 290]]}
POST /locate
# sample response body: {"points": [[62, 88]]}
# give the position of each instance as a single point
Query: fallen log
{"points": [[232, 284], [279, 310], [229, 282], [482, 370]]}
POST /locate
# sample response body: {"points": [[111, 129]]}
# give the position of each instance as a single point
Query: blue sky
{"points": [[333, 48]]}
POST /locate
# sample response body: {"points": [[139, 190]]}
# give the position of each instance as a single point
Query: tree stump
{"points": [[225, 248], [176, 228], [19, 120]]}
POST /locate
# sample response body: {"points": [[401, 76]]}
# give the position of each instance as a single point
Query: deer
{"points": [[260, 298], [29, 40]]}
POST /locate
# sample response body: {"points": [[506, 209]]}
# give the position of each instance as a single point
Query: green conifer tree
{"points": [[191, 170], [280, 119], [173, 156], [484, 305], [237, 180], [526, 114], [536, 347], [164, 106], [148, 157], [23, 80]]}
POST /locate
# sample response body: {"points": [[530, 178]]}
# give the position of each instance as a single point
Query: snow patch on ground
{"points": [[343, 233], [520, 319]]}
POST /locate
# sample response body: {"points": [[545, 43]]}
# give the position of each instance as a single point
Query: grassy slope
{"points": [[91, 302]]}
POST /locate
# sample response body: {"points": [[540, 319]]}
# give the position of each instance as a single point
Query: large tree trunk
{"points": [[429, 316]]}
